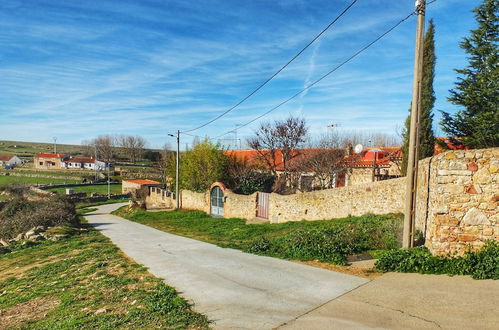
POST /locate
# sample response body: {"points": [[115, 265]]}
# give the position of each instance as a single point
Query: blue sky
{"points": [[78, 69]]}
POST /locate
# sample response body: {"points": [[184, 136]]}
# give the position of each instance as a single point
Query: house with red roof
{"points": [[131, 186], [373, 164], [88, 163], [49, 161], [317, 168], [10, 160]]}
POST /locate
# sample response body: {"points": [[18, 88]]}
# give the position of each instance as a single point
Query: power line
{"points": [[324, 76], [276, 73]]}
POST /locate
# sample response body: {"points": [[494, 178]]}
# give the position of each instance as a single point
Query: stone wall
{"points": [[192, 200], [374, 197], [463, 195], [456, 208], [158, 198]]}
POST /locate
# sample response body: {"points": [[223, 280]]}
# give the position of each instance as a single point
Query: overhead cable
{"points": [[276, 73], [324, 76]]}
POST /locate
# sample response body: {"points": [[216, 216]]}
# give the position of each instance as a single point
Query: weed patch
{"points": [[483, 264]]}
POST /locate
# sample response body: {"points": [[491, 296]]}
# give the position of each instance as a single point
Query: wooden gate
{"points": [[262, 205], [217, 202]]}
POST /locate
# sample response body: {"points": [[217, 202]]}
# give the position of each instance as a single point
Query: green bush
{"points": [[483, 264], [21, 214], [333, 243]]}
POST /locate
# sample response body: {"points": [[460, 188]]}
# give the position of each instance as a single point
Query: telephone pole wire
{"points": [[413, 157]]}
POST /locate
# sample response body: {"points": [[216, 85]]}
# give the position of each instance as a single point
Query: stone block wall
{"points": [[374, 197], [463, 195], [159, 199]]}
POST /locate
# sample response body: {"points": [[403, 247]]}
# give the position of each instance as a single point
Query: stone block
{"points": [[488, 231], [446, 220], [450, 155], [457, 166], [475, 217], [471, 189], [454, 188], [467, 238], [493, 168], [471, 230], [454, 172], [482, 176], [473, 167]]}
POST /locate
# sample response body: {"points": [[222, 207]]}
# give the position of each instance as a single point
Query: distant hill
{"points": [[26, 150]]}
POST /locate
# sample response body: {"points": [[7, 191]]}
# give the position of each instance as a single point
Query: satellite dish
{"points": [[358, 148]]}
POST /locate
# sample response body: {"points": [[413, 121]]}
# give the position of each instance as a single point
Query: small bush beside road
{"points": [[483, 264]]}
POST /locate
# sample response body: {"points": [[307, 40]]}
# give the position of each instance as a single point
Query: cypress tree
{"points": [[477, 88], [426, 136]]}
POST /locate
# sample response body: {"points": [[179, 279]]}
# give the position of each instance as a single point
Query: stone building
{"points": [[10, 160], [133, 186], [50, 161]]}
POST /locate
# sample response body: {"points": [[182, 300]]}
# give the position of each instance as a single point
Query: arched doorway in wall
{"points": [[217, 202]]}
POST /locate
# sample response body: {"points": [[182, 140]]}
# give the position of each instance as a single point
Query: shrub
{"points": [[333, 243], [20, 214], [481, 264]]}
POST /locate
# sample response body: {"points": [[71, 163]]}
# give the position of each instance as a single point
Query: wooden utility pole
{"points": [[177, 170], [412, 164]]}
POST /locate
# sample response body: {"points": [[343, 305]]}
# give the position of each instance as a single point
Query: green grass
{"points": [[60, 285], [109, 201], [20, 179], [29, 171], [99, 189], [327, 240]]}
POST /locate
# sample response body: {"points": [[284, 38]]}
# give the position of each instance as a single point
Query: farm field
{"points": [[99, 189], [28, 180]]}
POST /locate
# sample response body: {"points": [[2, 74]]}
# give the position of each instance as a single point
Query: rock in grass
{"points": [[101, 311]]}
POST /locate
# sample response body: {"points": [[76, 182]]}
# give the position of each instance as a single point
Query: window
{"points": [[40, 163]]}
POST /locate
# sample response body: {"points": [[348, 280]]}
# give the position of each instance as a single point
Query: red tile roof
{"points": [[143, 181], [254, 158], [49, 155], [383, 158], [450, 144], [6, 157]]}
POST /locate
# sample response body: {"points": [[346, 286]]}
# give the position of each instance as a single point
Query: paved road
{"points": [[234, 289]]}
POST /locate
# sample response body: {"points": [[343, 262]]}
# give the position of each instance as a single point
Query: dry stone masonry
{"points": [[462, 203]]}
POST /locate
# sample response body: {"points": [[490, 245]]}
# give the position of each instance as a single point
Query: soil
{"points": [[29, 311], [361, 272]]}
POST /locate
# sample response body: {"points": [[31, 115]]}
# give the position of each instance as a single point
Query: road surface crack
{"points": [[403, 312]]}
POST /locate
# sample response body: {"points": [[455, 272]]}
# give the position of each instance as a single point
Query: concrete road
{"points": [[410, 301], [235, 290]]}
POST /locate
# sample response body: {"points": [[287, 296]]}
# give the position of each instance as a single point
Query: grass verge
{"points": [[327, 240], [85, 282]]}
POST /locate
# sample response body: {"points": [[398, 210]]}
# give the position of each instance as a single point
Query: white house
{"points": [[85, 163], [11, 160]]}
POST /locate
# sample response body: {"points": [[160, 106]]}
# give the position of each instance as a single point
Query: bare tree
{"points": [[88, 149], [105, 147], [164, 162], [132, 146], [276, 143]]}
